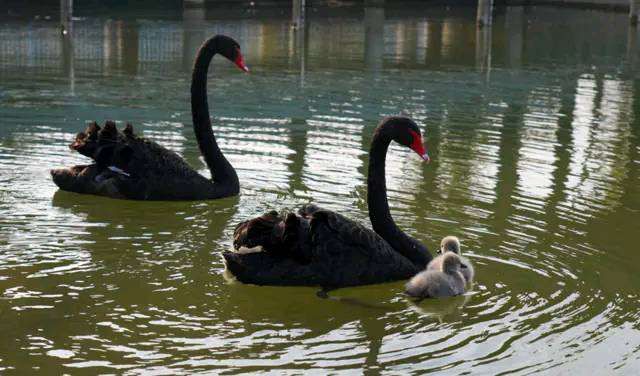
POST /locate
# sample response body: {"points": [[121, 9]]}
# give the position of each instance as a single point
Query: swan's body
{"points": [[437, 283], [452, 244], [315, 247], [319, 247], [132, 167]]}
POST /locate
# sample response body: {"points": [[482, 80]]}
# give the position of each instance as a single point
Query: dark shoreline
{"points": [[277, 9]]}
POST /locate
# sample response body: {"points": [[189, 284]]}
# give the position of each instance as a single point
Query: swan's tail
{"points": [[112, 153], [280, 235], [273, 249], [264, 231], [107, 146]]}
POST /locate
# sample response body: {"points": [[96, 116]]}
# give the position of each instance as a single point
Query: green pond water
{"points": [[533, 127]]}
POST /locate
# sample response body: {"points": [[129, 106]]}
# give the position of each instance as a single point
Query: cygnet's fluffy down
{"points": [[452, 244], [432, 283]]}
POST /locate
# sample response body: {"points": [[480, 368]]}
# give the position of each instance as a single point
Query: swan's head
{"points": [[449, 244], [451, 263], [405, 132], [230, 49]]}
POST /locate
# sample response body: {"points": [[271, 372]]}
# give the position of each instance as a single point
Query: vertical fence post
{"points": [[66, 13], [193, 20], [514, 27], [374, 14], [485, 8], [66, 39], [298, 13], [633, 44]]}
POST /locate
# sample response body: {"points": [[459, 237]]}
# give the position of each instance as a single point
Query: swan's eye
{"points": [[416, 145], [463, 266]]}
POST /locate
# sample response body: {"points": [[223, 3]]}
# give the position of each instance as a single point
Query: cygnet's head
{"points": [[449, 244], [451, 263]]}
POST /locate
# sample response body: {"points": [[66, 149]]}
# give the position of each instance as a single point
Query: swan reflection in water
{"points": [[151, 241]]}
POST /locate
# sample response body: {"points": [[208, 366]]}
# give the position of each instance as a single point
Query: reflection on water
{"points": [[532, 125]]}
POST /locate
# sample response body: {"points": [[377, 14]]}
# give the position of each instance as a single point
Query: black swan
{"points": [[318, 247], [452, 244], [438, 283], [131, 167]]}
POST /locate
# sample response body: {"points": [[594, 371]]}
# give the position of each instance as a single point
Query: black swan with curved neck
{"points": [[131, 167], [317, 247]]}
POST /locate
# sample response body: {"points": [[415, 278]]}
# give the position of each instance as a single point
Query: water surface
{"points": [[534, 131]]}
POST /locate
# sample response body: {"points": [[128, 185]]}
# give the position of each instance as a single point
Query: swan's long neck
{"points": [[221, 170], [379, 213]]}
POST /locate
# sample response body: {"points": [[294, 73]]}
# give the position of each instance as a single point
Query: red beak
{"points": [[240, 62], [417, 146]]}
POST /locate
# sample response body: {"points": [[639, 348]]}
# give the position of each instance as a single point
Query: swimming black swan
{"points": [[131, 167], [445, 281], [452, 244], [318, 247]]}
